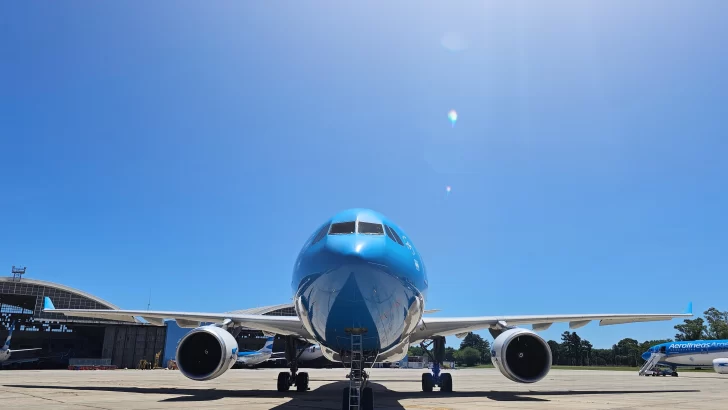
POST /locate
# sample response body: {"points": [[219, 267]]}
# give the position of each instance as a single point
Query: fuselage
{"points": [[310, 353], [256, 357], [359, 273], [252, 358], [698, 353]]}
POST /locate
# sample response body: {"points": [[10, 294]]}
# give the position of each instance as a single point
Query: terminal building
{"points": [[63, 339]]}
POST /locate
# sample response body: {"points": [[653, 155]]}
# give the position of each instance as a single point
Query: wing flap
{"points": [[575, 324], [538, 327]]}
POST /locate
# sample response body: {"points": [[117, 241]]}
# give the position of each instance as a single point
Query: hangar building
{"points": [[62, 338]]}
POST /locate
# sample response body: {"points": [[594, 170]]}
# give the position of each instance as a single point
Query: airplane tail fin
{"points": [[6, 346], [268, 347]]}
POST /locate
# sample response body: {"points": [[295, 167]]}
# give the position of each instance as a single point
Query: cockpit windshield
{"points": [[342, 228], [370, 228]]}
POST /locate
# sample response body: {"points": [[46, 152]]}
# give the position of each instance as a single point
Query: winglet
{"points": [[48, 304], [689, 309]]}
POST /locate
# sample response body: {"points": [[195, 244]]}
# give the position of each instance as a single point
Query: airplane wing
{"points": [[430, 327], [13, 361], [283, 325], [32, 359], [24, 350]]}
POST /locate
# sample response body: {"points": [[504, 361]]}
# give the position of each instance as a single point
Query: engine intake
{"points": [[720, 365], [206, 353], [521, 355]]}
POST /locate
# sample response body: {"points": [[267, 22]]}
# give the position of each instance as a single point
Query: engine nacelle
{"points": [[521, 355], [720, 365], [206, 353]]}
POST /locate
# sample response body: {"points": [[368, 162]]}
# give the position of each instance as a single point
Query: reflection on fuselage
{"points": [[374, 281]]}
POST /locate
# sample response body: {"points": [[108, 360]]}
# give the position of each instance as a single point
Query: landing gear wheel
{"points": [[283, 381], [302, 382], [446, 382], [427, 382], [367, 399], [674, 374]]}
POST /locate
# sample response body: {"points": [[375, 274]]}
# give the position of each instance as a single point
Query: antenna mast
{"points": [[18, 273]]}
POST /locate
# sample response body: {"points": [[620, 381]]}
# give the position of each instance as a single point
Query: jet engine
{"points": [[206, 353], [521, 355], [720, 365]]}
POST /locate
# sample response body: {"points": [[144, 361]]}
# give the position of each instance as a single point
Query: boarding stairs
{"points": [[651, 363], [356, 377]]}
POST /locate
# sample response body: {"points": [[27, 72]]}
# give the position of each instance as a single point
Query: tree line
{"points": [[575, 351]]}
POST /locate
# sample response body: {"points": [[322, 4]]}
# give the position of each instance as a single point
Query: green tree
{"points": [[469, 356], [691, 329], [602, 357], [478, 343], [416, 351], [717, 324], [555, 352], [450, 354], [586, 350], [571, 347], [627, 352]]}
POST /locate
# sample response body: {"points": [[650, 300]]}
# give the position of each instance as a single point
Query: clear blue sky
{"points": [[191, 148]]}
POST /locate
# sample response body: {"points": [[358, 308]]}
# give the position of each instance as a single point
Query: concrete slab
{"points": [[393, 389]]}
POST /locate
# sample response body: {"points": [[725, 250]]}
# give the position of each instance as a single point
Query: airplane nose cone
{"points": [[353, 247], [646, 356]]}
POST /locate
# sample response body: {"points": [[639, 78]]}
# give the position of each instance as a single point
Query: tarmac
{"points": [[393, 389]]}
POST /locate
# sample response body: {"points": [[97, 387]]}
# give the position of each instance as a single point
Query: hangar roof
{"points": [[265, 309], [77, 292]]}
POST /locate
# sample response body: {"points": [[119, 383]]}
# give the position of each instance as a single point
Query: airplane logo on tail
{"points": [[6, 346], [6, 352]]}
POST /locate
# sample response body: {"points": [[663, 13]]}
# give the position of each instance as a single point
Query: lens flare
{"points": [[452, 116], [448, 189]]}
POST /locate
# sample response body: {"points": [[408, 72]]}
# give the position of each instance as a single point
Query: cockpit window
{"points": [[370, 228], [342, 228], [393, 235], [320, 234]]}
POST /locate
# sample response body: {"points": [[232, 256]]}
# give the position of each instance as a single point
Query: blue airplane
{"points": [[359, 289], [251, 358], [6, 351], [697, 353]]}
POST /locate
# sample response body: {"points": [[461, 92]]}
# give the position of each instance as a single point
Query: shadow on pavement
{"points": [[329, 396]]}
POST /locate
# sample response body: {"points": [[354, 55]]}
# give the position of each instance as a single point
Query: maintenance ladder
{"points": [[356, 376], [651, 363]]}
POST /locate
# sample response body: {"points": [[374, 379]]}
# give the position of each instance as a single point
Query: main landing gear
{"points": [[430, 380], [285, 379]]}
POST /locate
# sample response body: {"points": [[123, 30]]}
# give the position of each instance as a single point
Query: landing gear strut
{"points": [[358, 396], [430, 380], [286, 380]]}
